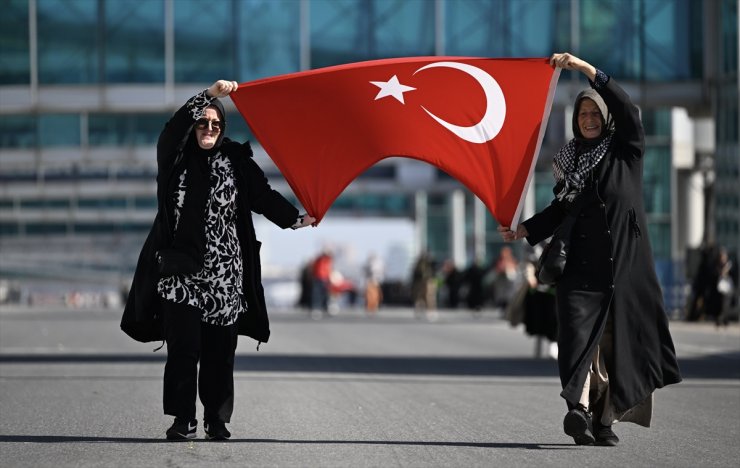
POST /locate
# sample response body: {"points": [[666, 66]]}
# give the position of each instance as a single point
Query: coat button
{"points": [[608, 232], [611, 287], [602, 206]]}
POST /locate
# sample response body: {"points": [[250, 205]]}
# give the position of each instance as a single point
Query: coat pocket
{"points": [[172, 262], [634, 225]]}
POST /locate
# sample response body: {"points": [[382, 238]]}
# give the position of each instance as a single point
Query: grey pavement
{"points": [[350, 390]]}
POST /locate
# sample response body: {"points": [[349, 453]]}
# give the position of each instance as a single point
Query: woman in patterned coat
{"points": [[197, 283], [613, 340]]}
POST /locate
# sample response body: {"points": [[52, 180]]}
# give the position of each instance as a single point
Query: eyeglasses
{"points": [[204, 124]]}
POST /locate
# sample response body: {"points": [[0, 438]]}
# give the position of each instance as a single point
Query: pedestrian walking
{"points": [[614, 347], [197, 283]]}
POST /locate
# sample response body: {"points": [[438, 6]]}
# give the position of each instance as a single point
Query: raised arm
{"points": [[628, 126], [178, 127]]}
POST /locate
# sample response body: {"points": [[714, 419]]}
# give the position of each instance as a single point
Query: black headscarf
{"points": [[190, 235], [578, 158]]}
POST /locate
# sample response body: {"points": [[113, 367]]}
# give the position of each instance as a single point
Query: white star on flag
{"points": [[392, 88]]}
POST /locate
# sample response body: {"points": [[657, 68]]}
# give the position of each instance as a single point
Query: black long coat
{"points": [[610, 270], [142, 316]]}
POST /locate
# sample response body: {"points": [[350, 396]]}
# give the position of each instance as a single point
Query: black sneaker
{"points": [[216, 430], [604, 436], [182, 429], [577, 424]]}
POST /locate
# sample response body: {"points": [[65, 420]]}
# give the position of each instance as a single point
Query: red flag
{"points": [[480, 120]]}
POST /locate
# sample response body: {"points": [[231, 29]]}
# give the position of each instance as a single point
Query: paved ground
{"points": [[346, 391]]}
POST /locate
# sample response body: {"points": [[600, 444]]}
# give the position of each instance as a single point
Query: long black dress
{"points": [[610, 270]]}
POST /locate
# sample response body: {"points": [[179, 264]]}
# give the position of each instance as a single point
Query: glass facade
{"points": [[14, 50], [91, 47], [727, 158], [500, 28], [345, 31]]}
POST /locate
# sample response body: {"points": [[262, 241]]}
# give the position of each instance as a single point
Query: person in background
{"points": [[198, 274], [614, 347], [374, 272], [322, 268], [423, 287]]}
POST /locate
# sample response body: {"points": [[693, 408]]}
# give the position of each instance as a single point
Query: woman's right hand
{"points": [[568, 61], [508, 235], [222, 88]]}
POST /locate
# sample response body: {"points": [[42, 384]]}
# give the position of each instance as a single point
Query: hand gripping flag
{"points": [[480, 120]]}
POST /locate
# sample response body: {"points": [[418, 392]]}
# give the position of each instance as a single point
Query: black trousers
{"points": [[189, 341]]}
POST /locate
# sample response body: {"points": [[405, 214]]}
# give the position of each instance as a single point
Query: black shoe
{"points": [[605, 436], [182, 429], [216, 430], [577, 424]]}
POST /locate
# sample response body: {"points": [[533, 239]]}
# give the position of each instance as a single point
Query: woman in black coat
{"points": [[197, 283], [614, 345]]}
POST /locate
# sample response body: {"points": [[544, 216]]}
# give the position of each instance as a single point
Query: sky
{"points": [[352, 240]]}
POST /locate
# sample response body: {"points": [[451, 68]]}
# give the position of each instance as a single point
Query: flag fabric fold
{"points": [[480, 120]]}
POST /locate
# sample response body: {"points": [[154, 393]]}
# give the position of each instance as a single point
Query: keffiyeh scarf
{"points": [[574, 175]]}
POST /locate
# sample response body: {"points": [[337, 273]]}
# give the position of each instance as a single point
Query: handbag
{"points": [[552, 261], [551, 264]]}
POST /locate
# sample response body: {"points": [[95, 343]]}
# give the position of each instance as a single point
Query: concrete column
{"points": [[420, 222], [457, 226], [479, 230]]}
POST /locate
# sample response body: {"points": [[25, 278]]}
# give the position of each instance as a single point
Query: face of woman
{"points": [[589, 119], [207, 130]]}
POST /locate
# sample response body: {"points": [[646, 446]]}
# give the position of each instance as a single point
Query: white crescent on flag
{"points": [[493, 119]]}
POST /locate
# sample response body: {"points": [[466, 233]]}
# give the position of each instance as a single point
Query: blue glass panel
{"points": [[125, 129], [657, 122], [729, 36], [59, 130], [134, 41], [660, 239], [102, 203], [14, 58], [18, 131], [267, 38], [109, 129], [45, 203], [45, 228], [204, 44], [237, 129], [68, 41], [657, 179], [344, 31], [501, 28], [642, 39], [146, 128]]}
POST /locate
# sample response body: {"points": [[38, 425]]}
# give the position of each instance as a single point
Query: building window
{"points": [[268, 45], [69, 42], [525, 28], [57, 130], [14, 56], [651, 40], [204, 44], [18, 131], [344, 31], [134, 41]]}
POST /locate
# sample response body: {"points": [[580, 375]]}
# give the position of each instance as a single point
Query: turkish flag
{"points": [[480, 120]]}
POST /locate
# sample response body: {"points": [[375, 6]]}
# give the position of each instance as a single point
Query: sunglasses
{"points": [[203, 124]]}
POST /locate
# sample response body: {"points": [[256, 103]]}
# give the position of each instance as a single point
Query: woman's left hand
{"points": [[222, 88], [306, 220]]}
